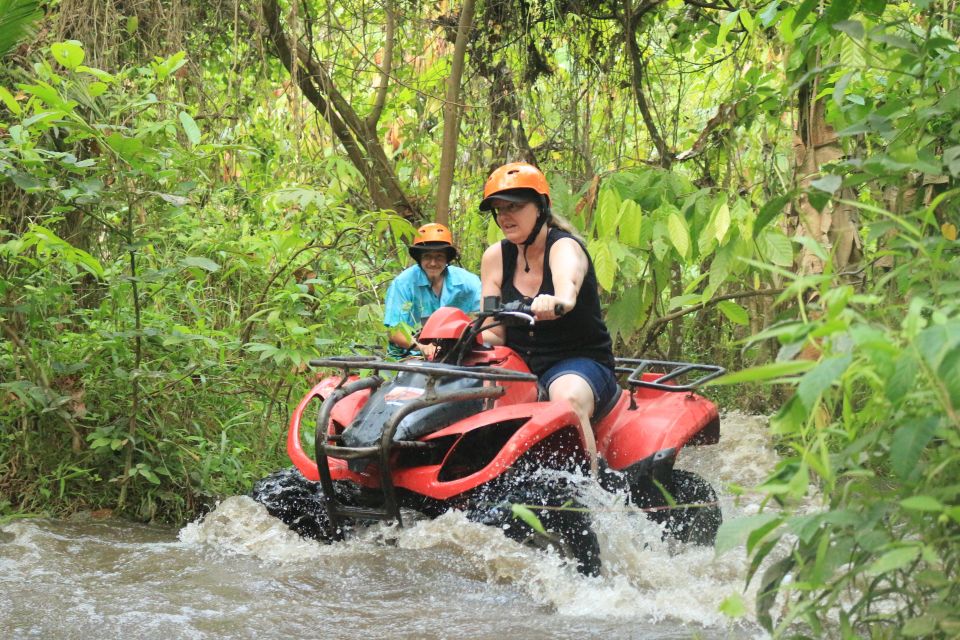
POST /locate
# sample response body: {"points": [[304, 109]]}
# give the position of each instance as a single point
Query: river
{"points": [[238, 573]]}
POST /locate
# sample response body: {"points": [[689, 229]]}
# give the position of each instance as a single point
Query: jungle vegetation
{"points": [[198, 197]]}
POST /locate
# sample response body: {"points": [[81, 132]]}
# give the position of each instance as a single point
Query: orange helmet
{"points": [[510, 182], [433, 237]]}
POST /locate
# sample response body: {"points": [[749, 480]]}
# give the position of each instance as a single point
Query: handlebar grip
{"points": [[519, 307]]}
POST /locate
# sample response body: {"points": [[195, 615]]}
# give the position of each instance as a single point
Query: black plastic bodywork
{"points": [[385, 442], [367, 428]]}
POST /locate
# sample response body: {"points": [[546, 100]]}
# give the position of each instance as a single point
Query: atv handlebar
{"points": [[492, 308]]}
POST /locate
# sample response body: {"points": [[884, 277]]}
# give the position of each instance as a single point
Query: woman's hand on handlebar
{"points": [[547, 307]]}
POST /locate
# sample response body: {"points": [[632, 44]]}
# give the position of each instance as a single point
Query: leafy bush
{"points": [[147, 362]]}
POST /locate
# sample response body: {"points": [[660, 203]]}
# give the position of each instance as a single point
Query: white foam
{"points": [[643, 577]]}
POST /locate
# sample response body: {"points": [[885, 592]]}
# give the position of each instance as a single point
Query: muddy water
{"points": [[241, 574]]}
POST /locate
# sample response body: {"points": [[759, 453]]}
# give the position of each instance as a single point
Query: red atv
{"points": [[471, 430]]}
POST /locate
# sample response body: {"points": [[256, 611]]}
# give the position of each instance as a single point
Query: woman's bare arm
{"points": [[491, 284]]}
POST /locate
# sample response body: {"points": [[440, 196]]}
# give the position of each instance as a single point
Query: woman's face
{"points": [[433, 263], [516, 219]]}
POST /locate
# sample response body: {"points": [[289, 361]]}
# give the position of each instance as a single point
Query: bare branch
{"points": [[451, 114], [386, 67]]}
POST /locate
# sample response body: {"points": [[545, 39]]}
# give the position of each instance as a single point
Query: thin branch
{"points": [[385, 68], [630, 21], [657, 326]]}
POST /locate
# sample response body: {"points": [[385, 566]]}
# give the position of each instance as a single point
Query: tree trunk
{"points": [[358, 138], [835, 226], [451, 115]]}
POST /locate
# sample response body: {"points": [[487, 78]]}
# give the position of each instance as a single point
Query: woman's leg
{"points": [[575, 390]]}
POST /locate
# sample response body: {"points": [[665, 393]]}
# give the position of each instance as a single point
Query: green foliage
{"points": [[179, 238], [146, 361], [16, 17], [872, 432], [660, 245]]}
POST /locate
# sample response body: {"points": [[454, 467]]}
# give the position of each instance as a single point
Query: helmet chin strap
{"points": [[541, 219]]}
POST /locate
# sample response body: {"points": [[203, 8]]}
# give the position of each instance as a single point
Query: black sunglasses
{"points": [[510, 207]]}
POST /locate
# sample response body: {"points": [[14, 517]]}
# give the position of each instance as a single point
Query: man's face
{"points": [[433, 263]]}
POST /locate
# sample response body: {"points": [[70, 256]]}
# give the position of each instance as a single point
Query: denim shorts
{"points": [[601, 379]]}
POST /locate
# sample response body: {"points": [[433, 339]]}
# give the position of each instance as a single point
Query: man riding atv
{"points": [[431, 283]]}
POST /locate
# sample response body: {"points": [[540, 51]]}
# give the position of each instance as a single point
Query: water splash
{"points": [[240, 573], [644, 577]]}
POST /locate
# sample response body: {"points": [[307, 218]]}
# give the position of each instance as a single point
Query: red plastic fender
{"points": [[321, 390]]}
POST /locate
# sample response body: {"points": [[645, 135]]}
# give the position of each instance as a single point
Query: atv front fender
{"points": [[321, 390], [539, 421]]}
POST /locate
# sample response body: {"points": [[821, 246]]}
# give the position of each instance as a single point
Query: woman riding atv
{"points": [[569, 348], [470, 430]]}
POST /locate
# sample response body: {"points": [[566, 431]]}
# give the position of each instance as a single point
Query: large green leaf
{"points": [[935, 342], [922, 503], [190, 127], [773, 576], [773, 372], [734, 312], [603, 263], [608, 213], [820, 379], [16, 18], [631, 224], [769, 211], [720, 270], [11, 103], [894, 559], [69, 53], [902, 378], [908, 443], [726, 25], [776, 248], [623, 313], [204, 263], [733, 606], [734, 533], [721, 221], [47, 241], [679, 234]]}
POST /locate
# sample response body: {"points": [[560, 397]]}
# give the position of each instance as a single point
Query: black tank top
{"points": [[580, 333]]}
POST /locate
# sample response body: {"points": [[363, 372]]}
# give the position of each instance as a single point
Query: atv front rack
{"points": [[670, 376], [380, 454], [432, 369]]}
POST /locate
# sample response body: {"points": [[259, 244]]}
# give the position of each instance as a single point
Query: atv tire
{"points": [[296, 501], [695, 524], [566, 529]]}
